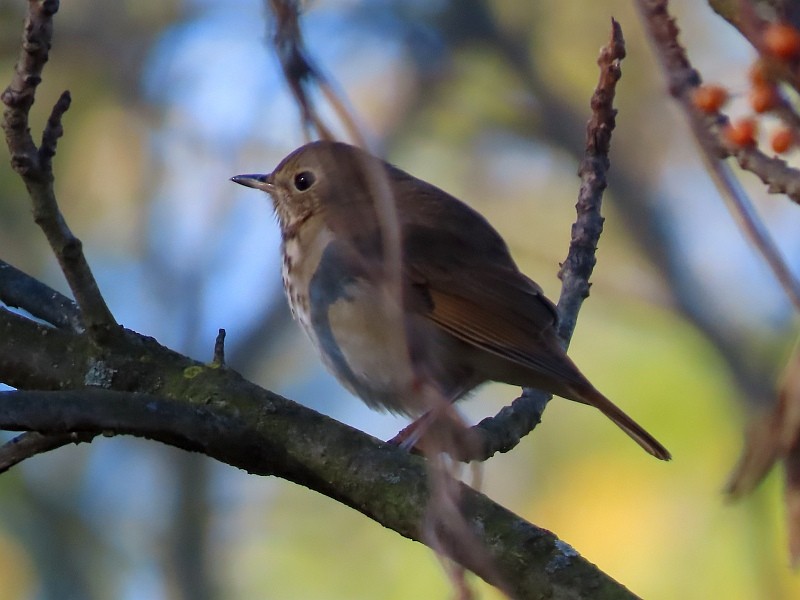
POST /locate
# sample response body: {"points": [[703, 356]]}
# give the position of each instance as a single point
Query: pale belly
{"points": [[360, 337], [370, 336]]}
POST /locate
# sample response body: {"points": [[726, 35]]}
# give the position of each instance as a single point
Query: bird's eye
{"points": [[304, 180]]}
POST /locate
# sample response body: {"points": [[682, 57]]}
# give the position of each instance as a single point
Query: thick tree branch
{"points": [[34, 164], [232, 420], [28, 355], [20, 290]]}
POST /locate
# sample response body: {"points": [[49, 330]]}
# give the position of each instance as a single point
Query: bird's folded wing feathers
{"points": [[490, 305]]}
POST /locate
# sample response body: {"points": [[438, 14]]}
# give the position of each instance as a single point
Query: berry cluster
{"points": [[780, 45]]}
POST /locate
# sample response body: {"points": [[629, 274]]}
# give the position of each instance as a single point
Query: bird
{"points": [[457, 300]]}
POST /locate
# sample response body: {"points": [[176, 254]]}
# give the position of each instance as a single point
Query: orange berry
{"points": [[741, 133], [782, 41], [782, 140], [758, 74], [709, 98], [764, 97]]}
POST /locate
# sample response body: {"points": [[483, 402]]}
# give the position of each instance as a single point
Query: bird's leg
{"points": [[441, 429], [408, 437]]}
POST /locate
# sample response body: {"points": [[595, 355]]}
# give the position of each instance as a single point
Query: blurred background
{"points": [[685, 327]]}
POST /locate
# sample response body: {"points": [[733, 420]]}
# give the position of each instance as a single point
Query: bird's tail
{"points": [[590, 395]]}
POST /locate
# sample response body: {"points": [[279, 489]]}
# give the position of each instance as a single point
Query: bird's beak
{"points": [[259, 182]]}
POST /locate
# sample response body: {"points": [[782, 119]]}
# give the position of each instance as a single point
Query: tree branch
{"points": [[34, 164], [20, 290], [579, 264], [772, 436], [234, 421]]}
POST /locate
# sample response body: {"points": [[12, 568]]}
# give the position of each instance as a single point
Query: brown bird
{"points": [[466, 312]]}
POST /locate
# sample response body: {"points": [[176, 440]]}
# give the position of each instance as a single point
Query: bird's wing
{"points": [[479, 296]]}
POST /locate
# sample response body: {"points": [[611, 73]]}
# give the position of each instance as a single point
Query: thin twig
{"points": [[34, 164], [577, 268], [504, 431], [53, 131], [683, 79]]}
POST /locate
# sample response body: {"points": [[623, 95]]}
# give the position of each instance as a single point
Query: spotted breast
{"points": [[302, 250]]}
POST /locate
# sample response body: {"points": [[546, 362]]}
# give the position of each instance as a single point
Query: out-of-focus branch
{"points": [[773, 436], [504, 431], [302, 74], [779, 177], [34, 164], [745, 214], [299, 71], [743, 13]]}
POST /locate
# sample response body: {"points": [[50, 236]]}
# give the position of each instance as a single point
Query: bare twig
{"points": [[577, 268], [20, 290], [53, 131], [34, 164], [504, 431]]}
